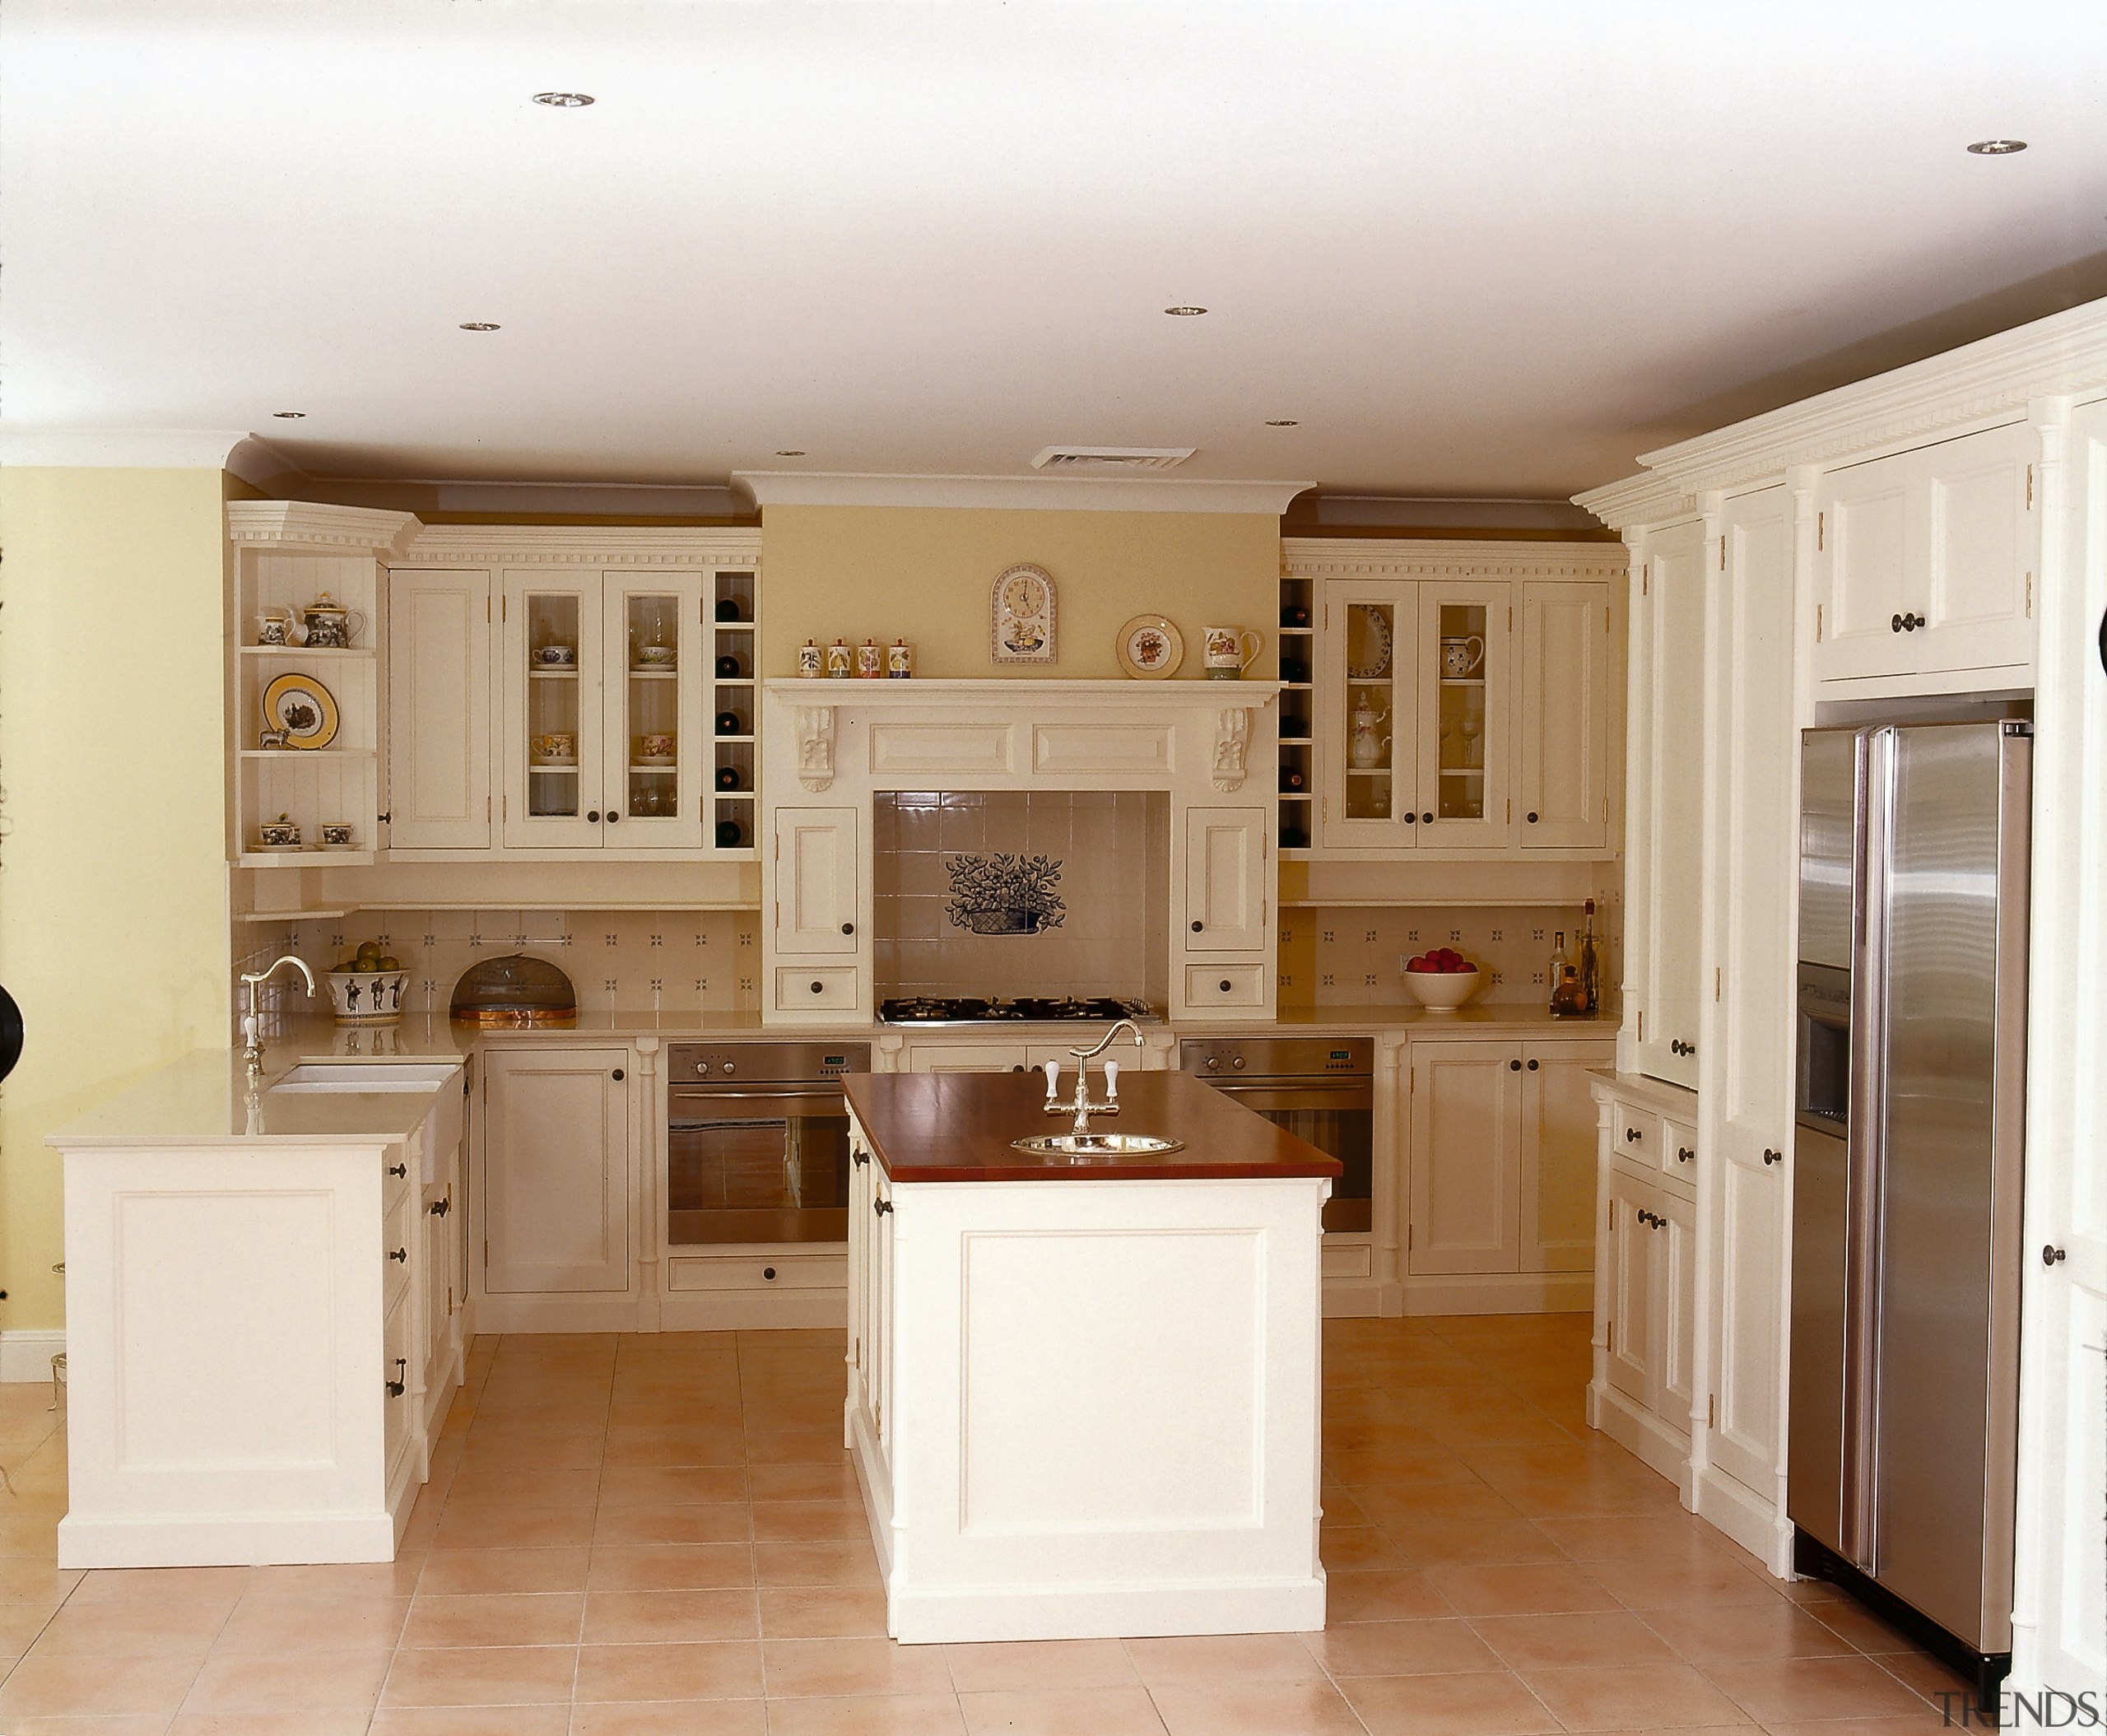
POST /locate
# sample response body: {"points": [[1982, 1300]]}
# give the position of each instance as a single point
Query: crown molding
{"points": [[1425, 557], [119, 449], [303, 525], [1009, 493], [1980, 385], [590, 545]]}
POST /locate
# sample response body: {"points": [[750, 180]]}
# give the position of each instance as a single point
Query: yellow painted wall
{"points": [[114, 932], [925, 573]]}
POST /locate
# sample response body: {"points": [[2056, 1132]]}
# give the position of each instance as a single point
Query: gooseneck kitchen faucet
{"points": [[1083, 1108], [252, 1025]]}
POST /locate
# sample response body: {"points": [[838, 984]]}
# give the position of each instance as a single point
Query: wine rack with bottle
{"points": [[1298, 650], [735, 708]]}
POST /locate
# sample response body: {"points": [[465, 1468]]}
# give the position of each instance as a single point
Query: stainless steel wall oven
{"points": [[1320, 1089]]}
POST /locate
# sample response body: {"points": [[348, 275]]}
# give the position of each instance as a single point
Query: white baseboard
{"points": [[1501, 1292], [1748, 1518], [26, 1355]]}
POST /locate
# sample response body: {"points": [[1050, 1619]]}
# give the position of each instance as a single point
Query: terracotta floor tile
{"points": [[717, 1669], [136, 1629], [340, 1722], [1746, 1633], [839, 1562], [500, 1618], [640, 1617], [804, 1668], [1657, 1585], [888, 1715], [673, 1486], [1551, 1641], [1400, 1649], [1255, 1709], [795, 1446], [1631, 1697], [41, 1686], [456, 1572], [667, 1718], [1865, 1630], [1216, 1658], [288, 1681], [712, 1522], [397, 1578], [1814, 1688], [493, 1525], [1036, 1665], [471, 1721], [660, 1447], [519, 1489], [823, 1480], [1921, 1722], [1390, 1505], [506, 1675], [265, 1621], [1382, 1597], [809, 1521], [195, 1585], [1626, 1536], [1436, 1540], [1072, 1711], [1528, 1589], [121, 1723], [821, 1611], [1486, 1704], [1928, 1675], [39, 1582], [673, 1568]]}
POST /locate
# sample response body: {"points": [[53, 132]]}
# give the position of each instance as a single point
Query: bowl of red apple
{"points": [[1443, 979]]}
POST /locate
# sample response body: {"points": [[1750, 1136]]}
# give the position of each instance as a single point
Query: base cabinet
{"points": [[1502, 1173]]}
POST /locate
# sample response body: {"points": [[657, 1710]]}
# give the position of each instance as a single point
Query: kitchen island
{"points": [[1083, 1393]]}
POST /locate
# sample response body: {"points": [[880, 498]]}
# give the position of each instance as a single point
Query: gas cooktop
{"points": [[948, 1009]]}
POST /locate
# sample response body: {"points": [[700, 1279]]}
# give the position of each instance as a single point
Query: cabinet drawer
{"points": [[397, 1226], [827, 988], [1678, 1152], [395, 1170], [1635, 1135], [1347, 1259], [1226, 986], [758, 1271]]}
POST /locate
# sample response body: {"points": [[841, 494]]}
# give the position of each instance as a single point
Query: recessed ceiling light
{"points": [[291, 416], [790, 452], [1184, 313], [481, 325], [1996, 147], [1286, 422], [563, 99]]}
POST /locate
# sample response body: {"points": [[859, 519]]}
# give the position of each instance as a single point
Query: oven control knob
{"points": [[1238, 1063], [703, 1069], [728, 1069], [1214, 1063]]}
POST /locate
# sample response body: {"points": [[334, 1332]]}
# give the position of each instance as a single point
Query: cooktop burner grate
{"points": [[972, 1010]]}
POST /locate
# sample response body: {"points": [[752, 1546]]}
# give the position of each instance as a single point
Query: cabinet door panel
{"points": [[655, 799], [555, 1190], [1861, 568], [550, 707], [1465, 701], [1976, 593], [1561, 801], [816, 880], [1674, 1310], [1466, 1156], [439, 710], [1560, 1137], [969, 1057], [1630, 1287], [1670, 907], [1368, 665], [1748, 1301], [1225, 879]]}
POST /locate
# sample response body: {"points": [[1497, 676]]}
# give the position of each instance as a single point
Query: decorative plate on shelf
{"points": [[1021, 629], [1368, 643], [302, 708], [1149, 648]]}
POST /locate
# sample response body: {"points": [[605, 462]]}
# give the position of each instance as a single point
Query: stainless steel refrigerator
{"points": [[1907, 1160]]}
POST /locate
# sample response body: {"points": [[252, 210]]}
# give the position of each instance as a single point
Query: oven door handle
{"points": [[685, 1094]]}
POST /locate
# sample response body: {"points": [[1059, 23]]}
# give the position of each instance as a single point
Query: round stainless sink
{"points": [[1099, 1145]]}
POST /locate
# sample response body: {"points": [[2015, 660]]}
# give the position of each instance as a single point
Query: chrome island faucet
{"points": [[252, 1025], [1083, 1108]]}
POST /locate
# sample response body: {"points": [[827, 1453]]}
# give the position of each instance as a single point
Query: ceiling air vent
{"points": [[1112, 457]]}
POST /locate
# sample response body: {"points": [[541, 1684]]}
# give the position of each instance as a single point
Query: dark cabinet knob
{"points": [[1225, 985], [818, 987], [1019, 1067], [2052, 1255], [1196, 924], [612, 816], [1410, 819], [881, 1207], [593, 817], [1428, 818], [1770, 1156], [398, 1169], [859, 1158], [1532, 819], [848, 928], [401, 1256], [397, 1386], [1513, 1066], [1532, 1066], [439, 1208], [618, 1074], [1684, 1154], [769, 1272], [1632, 1136], [1894, 624]]}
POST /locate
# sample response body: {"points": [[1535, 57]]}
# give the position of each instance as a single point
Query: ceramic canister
{"points": [[273, 628], [840, 660], [810, 659], [899, 660], [870, 661]]}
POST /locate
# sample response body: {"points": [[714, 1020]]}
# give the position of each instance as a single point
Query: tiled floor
{"points": [[630, 1536]]}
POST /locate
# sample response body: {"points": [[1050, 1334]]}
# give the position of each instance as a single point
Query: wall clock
{"points": [[1022, 627]]}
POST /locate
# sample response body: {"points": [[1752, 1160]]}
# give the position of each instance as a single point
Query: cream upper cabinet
{"points": [[440, 793], [1225, 899], [656, 748], [1664, 863], [1569, 671], [555, 1201], [815, 892], [1368, 711], [1925, 562], [1466, 711]]}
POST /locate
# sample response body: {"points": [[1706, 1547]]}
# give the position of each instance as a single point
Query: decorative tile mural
{"points": [[1004, 894]]}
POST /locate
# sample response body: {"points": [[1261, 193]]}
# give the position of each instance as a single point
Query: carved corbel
{"points": [[815, 725], [1232, 746]]}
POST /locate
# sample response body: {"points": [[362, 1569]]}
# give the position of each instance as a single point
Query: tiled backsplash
{"points": [[1349, 956], [630, 960], [956, 870]]}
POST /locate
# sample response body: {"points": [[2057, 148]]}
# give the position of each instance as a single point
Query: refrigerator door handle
{"points": [[1872, 886]]}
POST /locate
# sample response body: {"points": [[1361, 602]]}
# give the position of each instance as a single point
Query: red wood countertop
{"points": [[958, 1127]]}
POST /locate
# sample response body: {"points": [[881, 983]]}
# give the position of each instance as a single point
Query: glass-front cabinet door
{"points": [[655, 748], [553, 753], [1369, 706], [1464, 634]]}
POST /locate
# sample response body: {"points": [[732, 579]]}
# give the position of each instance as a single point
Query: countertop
{"points": [[957, 1126], [204, 1099]]}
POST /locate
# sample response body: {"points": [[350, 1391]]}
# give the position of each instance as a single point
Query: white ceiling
{"points": [[1472, 249]]}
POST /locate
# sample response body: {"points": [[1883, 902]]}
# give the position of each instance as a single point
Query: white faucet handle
{"points": [[1053, 1071], [1112, 1082]]}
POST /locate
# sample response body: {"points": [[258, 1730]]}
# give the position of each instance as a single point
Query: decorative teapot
{"points": [[330, 625], [1364, 746]]}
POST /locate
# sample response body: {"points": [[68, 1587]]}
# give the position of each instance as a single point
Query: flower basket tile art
{"points": [[1004, 894]]}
